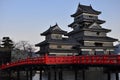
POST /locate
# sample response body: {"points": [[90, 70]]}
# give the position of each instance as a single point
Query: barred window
{"points": [[59, 46]]}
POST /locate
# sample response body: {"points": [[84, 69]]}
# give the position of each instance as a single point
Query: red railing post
{"points": [[118, 59], [73, 59], [46, 59]]}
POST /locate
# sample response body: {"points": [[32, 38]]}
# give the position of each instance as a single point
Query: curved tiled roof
{"points": [[85, 9], [87, 20], [54, 29]]}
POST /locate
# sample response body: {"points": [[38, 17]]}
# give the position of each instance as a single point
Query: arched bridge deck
{"points": [[99, 60]]}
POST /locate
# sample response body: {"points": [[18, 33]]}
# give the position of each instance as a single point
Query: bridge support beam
{"points": [[60, 75], [83, 74], [76, 74], [55, 74], [40, 75], [9, 74], [49, 74], [27, 75], [31, 74], [117, 76], [109, 76], [18, 75]]}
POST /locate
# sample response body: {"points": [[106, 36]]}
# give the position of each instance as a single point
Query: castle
{"points": [[87, 37]]}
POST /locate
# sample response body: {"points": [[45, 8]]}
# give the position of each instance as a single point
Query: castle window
{"points": [[56, 36], [98, 44], [90, 16], [85, 52], [59, 46], [81, 43], [98, 33], [99, 52]]}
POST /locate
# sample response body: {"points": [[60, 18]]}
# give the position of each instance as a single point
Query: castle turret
{"points": [[55, 43]]}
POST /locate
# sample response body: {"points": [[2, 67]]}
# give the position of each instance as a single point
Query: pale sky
{"points": [[26, 19]]}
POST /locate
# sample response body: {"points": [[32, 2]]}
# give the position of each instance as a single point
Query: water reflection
{"points": [[36, 77]]}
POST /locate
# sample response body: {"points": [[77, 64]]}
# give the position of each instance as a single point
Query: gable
{"points": [[95, 26], [57, 28]]}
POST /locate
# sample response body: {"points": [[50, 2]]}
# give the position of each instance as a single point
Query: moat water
{"points": [[36, 77]]}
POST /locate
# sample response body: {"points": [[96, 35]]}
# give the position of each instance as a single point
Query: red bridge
{"points": [[93, 60]]}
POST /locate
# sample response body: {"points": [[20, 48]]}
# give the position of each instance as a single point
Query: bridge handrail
{"points": [[83, 59]]}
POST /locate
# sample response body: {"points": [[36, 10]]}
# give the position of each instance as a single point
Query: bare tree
{"points": [[22, 45], [25, 47]]}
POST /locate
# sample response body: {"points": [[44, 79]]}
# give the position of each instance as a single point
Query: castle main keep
{"points": [[87, 37]]}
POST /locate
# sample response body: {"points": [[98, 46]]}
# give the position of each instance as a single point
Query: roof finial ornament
{"points": [[90, 5], [56, 24], [79, 4]]}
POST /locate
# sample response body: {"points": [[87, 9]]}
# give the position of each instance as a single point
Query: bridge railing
{"points": [[84, 59]]}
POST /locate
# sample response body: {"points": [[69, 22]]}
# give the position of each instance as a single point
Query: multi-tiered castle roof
{"points": [[87, 36]]}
